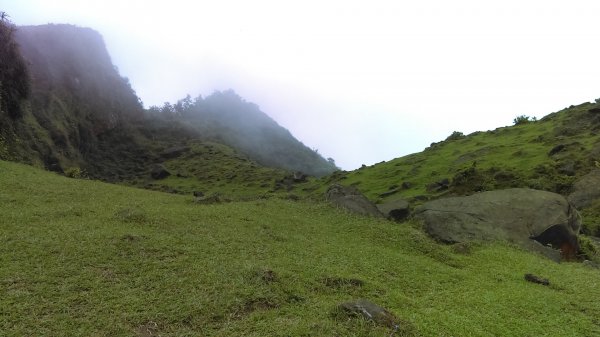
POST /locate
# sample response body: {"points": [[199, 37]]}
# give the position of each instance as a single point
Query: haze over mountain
{"points": [[361, 82], [79, 103]]}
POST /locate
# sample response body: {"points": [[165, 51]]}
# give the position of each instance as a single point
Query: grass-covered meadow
{"points": [[84, 258]]}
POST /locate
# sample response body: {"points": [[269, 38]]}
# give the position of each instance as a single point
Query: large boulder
{"points": [[352, 200], [586, 190], [397, 210], [515, 215]]}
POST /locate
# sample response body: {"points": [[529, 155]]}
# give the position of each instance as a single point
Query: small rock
{"points": [[174, 152], [159, 172], [299, 177], [438, 186], [268, 276], [214, 198], [388, 193], [370, 311], [556, 149], [292, 197], [591, 264], [567, 169], [536, 279]]}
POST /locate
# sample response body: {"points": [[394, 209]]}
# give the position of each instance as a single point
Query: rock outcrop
{"points": [[515, 215], [586, 190], [352, 200], [396, 210]]}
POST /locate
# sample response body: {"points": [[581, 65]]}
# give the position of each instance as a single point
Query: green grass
{"points": [[215, 168], [83, 258]]}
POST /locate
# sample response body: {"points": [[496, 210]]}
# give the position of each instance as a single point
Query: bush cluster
{"points": [[15, 84], [523, 119]]}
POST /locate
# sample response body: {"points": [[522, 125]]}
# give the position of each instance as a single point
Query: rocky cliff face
{"points": [[77, 94]]}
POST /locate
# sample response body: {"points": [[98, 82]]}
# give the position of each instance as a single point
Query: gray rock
{"points": [[556, 149], [159, 172], [586, 190], [438, 186], [352, 200], [567, 168], [536, 279], [516, 215], [213, 198], [370, 311], [174, 152], [390, 192], [397, 210], [591, 264], [299, 177]]}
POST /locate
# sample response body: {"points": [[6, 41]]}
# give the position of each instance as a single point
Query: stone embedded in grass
{"points": [[536, 279], [352, 200], [556, 149], [389, 192], [129, 215], [369, 311], [397, 210], [213, 198], [463, 248], [438, 186], [159, 172], [341, 282], [147, 329], [254, 304], [268, 276]]}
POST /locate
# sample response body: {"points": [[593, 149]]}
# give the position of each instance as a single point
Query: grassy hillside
{"points": [[549, 154], [83, 258], [226, 118]]}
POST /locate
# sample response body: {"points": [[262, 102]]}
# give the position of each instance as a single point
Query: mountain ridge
{"points": [[78, 99]]}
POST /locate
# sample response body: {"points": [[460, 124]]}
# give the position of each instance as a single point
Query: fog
{"points": [[362, 82]]}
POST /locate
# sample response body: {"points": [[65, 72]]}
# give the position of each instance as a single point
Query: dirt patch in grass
{"points": [[148, 329], [341, 282], [252, 305]]}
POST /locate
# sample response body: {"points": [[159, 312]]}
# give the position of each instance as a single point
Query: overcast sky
{"points": [[361, 81]]}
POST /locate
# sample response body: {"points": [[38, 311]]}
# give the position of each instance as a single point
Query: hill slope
{"points": [[76, 252], [226, 118], [549, 154]]}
